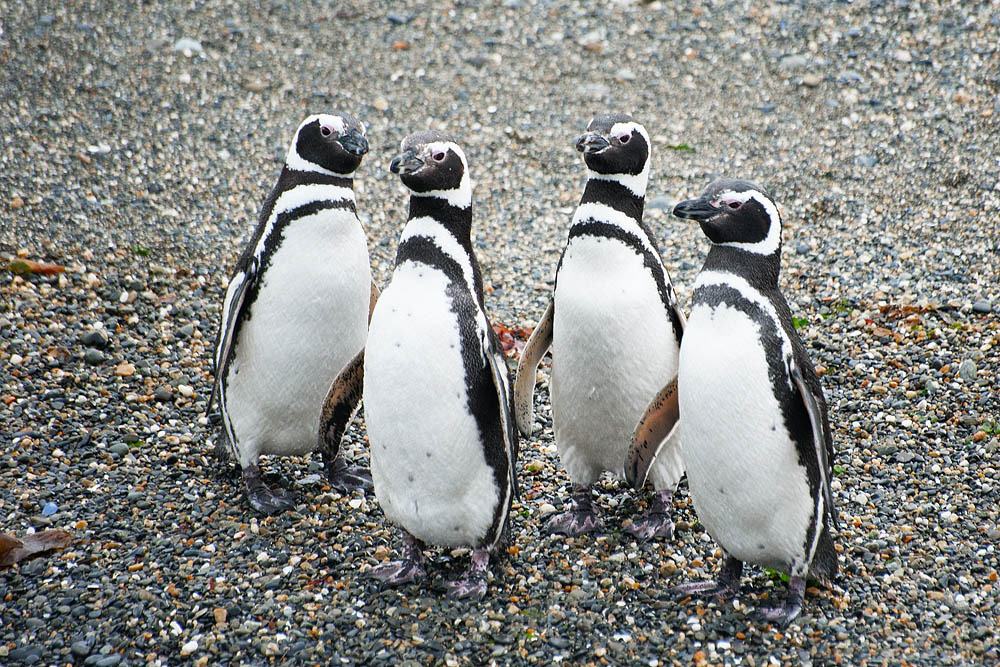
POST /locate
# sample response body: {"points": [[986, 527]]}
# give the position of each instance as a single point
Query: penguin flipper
{"points": [[524, 388], [820, 440], [501, 381], [375, 294], [340, 405], [244, 276], [655, 426]]}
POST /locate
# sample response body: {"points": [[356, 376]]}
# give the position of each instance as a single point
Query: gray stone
{"points": [[796, 61], [119, 448], [81, 648], [982, 306], [163, 395], [93, 357], [95, 338], [967, 371]]}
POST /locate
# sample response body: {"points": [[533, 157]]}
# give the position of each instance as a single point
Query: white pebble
{"points": [[546, 508], [190, 647]]}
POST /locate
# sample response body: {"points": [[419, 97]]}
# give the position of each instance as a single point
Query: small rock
{"points": [[189, 47], [397, 19], [903, 56], [125, 369], [96, 338], [546, 508], [81, 648], [811, 80], [866, 160], [380, 104], [795, 61], [119, 448], [93, 357], [189, 647], [967, 370], [982, 306], [802, 248], [163, 395], [256, 85], [185, 390], [50, 509]]}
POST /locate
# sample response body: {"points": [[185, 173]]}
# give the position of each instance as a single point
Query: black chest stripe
{"points": [[271, 244], [793, 410], [614, 195], [651, 262], [481, 393]]}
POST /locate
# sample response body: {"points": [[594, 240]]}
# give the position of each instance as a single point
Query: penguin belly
{"points": [[612, 351], [309, 319], [744, 476], [427, 459]]}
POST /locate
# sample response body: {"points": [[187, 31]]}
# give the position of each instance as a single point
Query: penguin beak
{"points": [[354, 143], [591, 143], [407, 163], [695, 209]]}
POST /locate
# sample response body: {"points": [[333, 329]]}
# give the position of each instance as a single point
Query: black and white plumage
{"points": [[614, 326], [437, 392], [757, 442], [296, 310]]}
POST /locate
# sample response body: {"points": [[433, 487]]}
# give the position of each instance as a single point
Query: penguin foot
{"points": [[473, 584], [784, 613], [723, 589], [399, 572], [344, 478], [407, 569], [353, 477], [263, 499], [656, 522], [574, 522], [581, 519], [653, 525]]}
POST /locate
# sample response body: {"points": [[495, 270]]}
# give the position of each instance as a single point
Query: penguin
{"points": [[296, 310], [757, 441], [436, 391], [614, 326]]}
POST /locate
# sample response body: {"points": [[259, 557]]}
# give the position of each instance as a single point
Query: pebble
{"points": [[144, 178], [967, 370]]}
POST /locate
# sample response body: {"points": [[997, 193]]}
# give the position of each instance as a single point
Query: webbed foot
{"points": [[580, 519], [344, 478], [262, 498], [409, 568], [784, 613], [724, 588], [472, 585], [656, 522]]}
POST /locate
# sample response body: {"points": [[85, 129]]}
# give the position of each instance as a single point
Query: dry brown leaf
{"points": [[23, 266], [14, 550]]}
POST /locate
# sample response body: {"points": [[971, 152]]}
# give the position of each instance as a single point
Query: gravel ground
{"points": [[139, 140]]}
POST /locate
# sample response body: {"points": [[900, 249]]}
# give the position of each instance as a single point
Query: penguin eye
{"points": [[734, 204], [439, 156], [624, 138], [325, 130]]}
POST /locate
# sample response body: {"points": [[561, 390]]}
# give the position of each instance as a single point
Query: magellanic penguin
{"points": [[756, 438], [614, 327], [437, 393], [297, 308]]}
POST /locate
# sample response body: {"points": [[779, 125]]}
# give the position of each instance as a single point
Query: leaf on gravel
{"points": [[14, 550], [25, 266], [512, 338], [681, 147]]}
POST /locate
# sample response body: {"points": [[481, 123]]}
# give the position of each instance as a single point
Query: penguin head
{"points": [[431, 164], [331, 143], [736, 213], [616, 148]]}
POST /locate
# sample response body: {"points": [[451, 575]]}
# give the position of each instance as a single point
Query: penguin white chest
{"points": [[308, 320], [748, 487], [613, 348], [427, 459]]}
